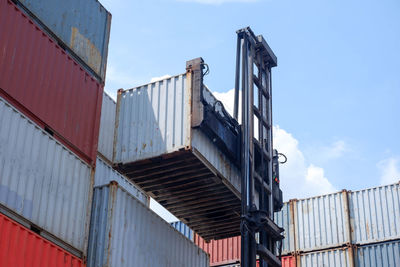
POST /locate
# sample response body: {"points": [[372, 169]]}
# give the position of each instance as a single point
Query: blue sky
{"points": [[336, 90]]}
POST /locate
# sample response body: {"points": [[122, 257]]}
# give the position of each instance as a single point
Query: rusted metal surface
{"points": [[328, 258], [82, 26], [175, 164], [47, 85], [42, 181], [106, 174], [124, 232], [375, 214], [20, 247], [107, 127], [221, 252]]}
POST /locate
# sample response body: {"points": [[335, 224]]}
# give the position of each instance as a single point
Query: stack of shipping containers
{"points": [[50, 102]]}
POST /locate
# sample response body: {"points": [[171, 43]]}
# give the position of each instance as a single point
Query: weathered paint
{"points": [[287, 261], [21, 247], [107, 127], [83, 26], [375, 214], [284, 219], [42, 181], [183, 229], [105, 174], [46, 84], [328, 258], [221, 252], [386, 254], [152, 120], [124, 232], [321, 222]]}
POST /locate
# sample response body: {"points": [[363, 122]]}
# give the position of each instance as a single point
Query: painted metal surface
{"points": [[183, 229], [107, 127], [375, 214], [384, 254], [46, 84], [285, 220], [105, 174], [156, 148], [20, 247], [83, 26], [288, 261], [43, 181], [153, 120], [328, 258], [124, 232], [321, 222], [223, 251]]}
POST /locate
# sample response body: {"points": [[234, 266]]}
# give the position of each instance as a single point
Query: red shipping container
{"points": [[227, 251], [43, 82], [20, 247], [223, 251]]}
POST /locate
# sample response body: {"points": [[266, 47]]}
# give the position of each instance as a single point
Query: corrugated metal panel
{"points": [[107, 127], [284, 219], [370, 222], [124, 232], [183, 229], [288, 261], [322, 222], [152, 120], [223, 251], [156, 148], [328, 258], [41, 80], [105, 174], [21, 247], [84, 26], [385, 254], [43, 181]]}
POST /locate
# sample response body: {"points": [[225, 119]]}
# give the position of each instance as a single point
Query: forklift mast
{"points": [[260, 192]]}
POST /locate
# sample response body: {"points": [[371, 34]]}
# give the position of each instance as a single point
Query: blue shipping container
{"points": [[83, 26], [184, 229]]}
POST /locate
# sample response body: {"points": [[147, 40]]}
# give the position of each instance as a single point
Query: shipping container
{"points": [[83, 28], [46, 84], [124, 232], [223, 251], [342, 257], [183, 229], [105, 174], [179, 165], [285, 219], [384, 254], [107, 127], [21, 247], [42, 181], [375, 214], [287, 261]]}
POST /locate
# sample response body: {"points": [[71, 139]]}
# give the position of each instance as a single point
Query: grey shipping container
{"points": [[42, 181], [285, 220], [124, 232], [82, 26], [105, 174], [177, 164], [183, 229], [340, 257], [386, 254], [107, 127], [375, 214]]}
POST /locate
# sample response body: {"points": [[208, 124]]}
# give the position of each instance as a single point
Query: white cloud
{"points": [[336, 150], [390, 170], [218, 2], [155, 79], [299, 178]]}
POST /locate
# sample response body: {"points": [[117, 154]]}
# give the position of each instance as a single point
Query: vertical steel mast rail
{"points": [[254, 60]]}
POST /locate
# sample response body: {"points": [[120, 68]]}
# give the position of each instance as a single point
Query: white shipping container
{"points": [[375, 214], [341, 257], [107, 127], [42, 181], [384, 254], [105, 174], [124, 232]]}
